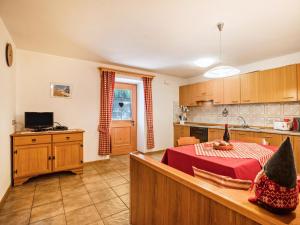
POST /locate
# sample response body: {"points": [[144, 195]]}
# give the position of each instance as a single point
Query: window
{"points": [[122, 105]]}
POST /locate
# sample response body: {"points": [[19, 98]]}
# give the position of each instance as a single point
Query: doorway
{"points": [[124, 119]]}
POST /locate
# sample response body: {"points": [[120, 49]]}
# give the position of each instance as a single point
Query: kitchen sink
{"points": [[246, 128]]}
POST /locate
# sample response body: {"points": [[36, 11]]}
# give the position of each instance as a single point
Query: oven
{"points": [[199, 132]]}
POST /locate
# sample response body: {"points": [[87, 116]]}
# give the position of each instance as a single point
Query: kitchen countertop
{"points": [[251, 129]]}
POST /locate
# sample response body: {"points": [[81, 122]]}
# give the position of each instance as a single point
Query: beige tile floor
{"points": [[100, 196]]}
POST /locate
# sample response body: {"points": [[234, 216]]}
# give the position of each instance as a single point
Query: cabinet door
{"points": [[32, 160], [272, 139], [296, 149], [215, 134], [249, 88], [217, 91], [232, 94], [288, 80], [278, 85], [245, 136], [183, 96], [180, 131], [67, 155]]}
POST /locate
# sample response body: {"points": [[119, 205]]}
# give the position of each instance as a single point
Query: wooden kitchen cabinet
{"points": [[246, 136], [249, 87], [36, 153], [298, 81], [272, 139], [188, 95], [278, 85], [31, 160], [232, 94], [296, 148], [67, 155], [217, 91], [215, 134], [180, 131]]}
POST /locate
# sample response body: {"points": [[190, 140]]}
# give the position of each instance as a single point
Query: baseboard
{"points": [[154, 151], [5, 196]]}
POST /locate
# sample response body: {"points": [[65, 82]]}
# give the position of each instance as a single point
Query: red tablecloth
{"points": [[183, 158]]}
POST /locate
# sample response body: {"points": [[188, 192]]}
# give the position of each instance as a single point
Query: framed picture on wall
{"points": [[61, 90]]}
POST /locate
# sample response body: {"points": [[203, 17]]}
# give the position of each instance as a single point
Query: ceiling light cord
{"points": [[220, 27]]}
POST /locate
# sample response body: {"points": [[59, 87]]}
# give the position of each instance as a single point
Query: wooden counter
{"points": [[163, 195]]}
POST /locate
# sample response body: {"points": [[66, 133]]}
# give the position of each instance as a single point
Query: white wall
{"points": [[259, 65], [35, 72], [7, 109]]}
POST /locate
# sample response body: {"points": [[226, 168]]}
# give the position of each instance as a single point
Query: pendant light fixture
{"points": [[221, 70]]}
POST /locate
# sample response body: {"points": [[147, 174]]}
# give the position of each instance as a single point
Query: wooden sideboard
{"points": [[36, 153]]}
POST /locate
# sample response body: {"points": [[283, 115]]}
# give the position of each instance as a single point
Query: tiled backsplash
{"points": [[254, 114]]}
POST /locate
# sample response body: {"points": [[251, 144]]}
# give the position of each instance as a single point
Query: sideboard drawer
{"points": [[67, 137], [29, 140]]}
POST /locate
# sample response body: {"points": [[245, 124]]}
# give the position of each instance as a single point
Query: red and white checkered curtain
{"points": [[106, 102], [149, 111]]}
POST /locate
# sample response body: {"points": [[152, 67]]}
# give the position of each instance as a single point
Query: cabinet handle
{"points": [[16, 151], [53, 157], [288, 97], [81, 145], [81, 161], [234, 101], [67, 138], [49, 157], [246, 100], [33, 140]]}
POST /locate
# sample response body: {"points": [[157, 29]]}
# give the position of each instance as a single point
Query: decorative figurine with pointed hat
{"points": [[275, 185]]}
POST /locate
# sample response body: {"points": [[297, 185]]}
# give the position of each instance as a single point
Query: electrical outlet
{"points": [[13, 122]]}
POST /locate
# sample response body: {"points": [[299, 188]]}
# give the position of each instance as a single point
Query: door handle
{"points": [[132, 123]]}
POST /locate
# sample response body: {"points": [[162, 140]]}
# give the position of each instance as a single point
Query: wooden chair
{"points": [[187, 141]]}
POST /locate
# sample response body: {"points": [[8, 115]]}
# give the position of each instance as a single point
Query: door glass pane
{"points": [[122, 105]]}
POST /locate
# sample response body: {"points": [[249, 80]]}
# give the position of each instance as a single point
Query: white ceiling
{"points": [[164, 36]]}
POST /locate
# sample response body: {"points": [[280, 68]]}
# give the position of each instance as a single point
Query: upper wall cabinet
{"points": [[249, 88], [278, 85], [203, 91], [217, 91], [232, 94], [187, 95]]}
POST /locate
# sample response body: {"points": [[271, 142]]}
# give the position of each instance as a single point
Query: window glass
{"points": [[122, 105]]}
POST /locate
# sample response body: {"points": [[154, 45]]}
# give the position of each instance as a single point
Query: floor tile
{"points": [[86, 215], [16, 205], [47, 180], [57, 220], [121, 218], [116, 181], [70, 181], [91, 178], [46, 211], [127, 177], [121, 189], [96, 186], [17, 218], [41, 189], [110, 207], [102, 195], [80, 201], [69, 191], [45, 198], [126, 199], [17, 193]]}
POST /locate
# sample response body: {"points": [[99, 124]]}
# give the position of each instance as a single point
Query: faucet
{"points": [[244, 125]]}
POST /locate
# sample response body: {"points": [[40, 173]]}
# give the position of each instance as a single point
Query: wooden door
{"points": [[249, 88], [67, 155], [123, 127], [32, 160], [232, 94], [218, 91]]}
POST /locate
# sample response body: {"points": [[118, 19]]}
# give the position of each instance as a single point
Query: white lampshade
{"points": [[222, 71]]}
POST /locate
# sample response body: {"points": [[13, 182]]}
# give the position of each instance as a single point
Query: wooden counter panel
{"points": [[163, 195]]}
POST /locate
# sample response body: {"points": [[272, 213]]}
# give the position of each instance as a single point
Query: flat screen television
{"points": [[38, 120]]}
